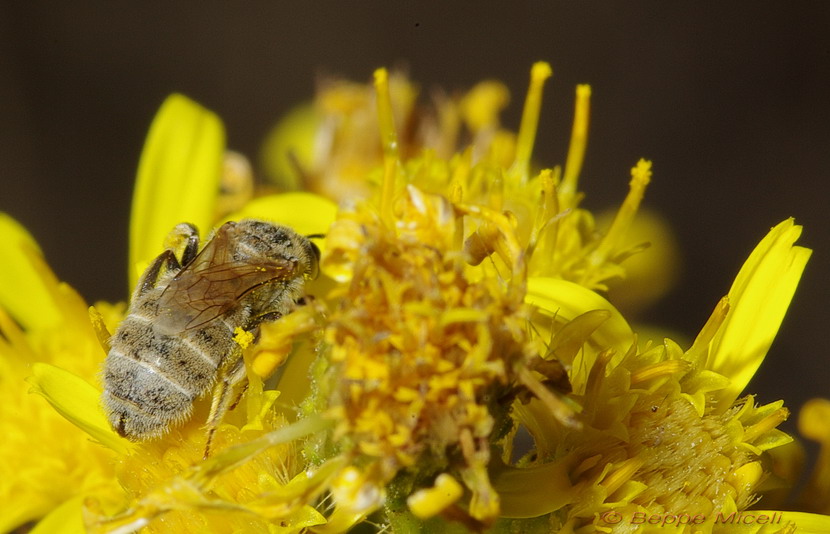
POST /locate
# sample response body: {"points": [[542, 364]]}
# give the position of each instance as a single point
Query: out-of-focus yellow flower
{"points": [[814, 424], [333, 146], [651, 272], [45, 464], [345, 158]]}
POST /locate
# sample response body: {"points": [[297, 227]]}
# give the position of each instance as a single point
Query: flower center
{"points": [[688, 461]]}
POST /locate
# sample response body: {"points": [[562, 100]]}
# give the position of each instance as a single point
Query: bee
{"points": [[177, 341]]}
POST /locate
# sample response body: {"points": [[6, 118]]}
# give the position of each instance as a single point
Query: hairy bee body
{"points": [[152, 378], [178, 336]]}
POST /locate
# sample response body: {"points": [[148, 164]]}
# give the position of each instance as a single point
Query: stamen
{"points": [[460, 181], [540, 72], [546, 221], [503, 239], [389, 143], [561, 411], [640, 178], [579, 140], [766, 424], [666, 368], [622, 474]]}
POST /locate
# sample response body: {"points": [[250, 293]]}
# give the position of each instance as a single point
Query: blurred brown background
{"points": [[730, 102]]}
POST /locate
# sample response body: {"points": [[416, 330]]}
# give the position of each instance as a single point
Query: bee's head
{"points": [[276, 241]]}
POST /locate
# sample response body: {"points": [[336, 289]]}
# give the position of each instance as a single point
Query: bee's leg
{"points": [[151, 275], [239, 395], [253, 324], [184, 238], [229, 378]]}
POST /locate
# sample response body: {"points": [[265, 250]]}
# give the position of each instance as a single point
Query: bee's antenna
{"points": [[316, 236]]}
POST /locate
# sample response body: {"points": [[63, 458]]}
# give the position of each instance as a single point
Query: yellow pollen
{"points": [[242, 337], [540, 72]]}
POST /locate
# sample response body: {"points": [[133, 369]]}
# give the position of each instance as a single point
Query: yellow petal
{"points": [[535, 491], [20, 508], [300, 521], [77, 401], [24, 291], [567, 300], [758, 300], [569, 340], [232, 457], [178, 176], [339, 521], [306, 213], [65, 519], [808, 523]]}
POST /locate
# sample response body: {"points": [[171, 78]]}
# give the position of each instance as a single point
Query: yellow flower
{"points": [[332, 146], [461, 371], [343, 159], [664, 431], [433, 326]]}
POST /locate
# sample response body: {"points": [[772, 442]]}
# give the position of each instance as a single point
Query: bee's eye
{"points": [[315, 262]]}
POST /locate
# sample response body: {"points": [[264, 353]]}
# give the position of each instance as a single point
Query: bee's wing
{"points": [[212, 283]]}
